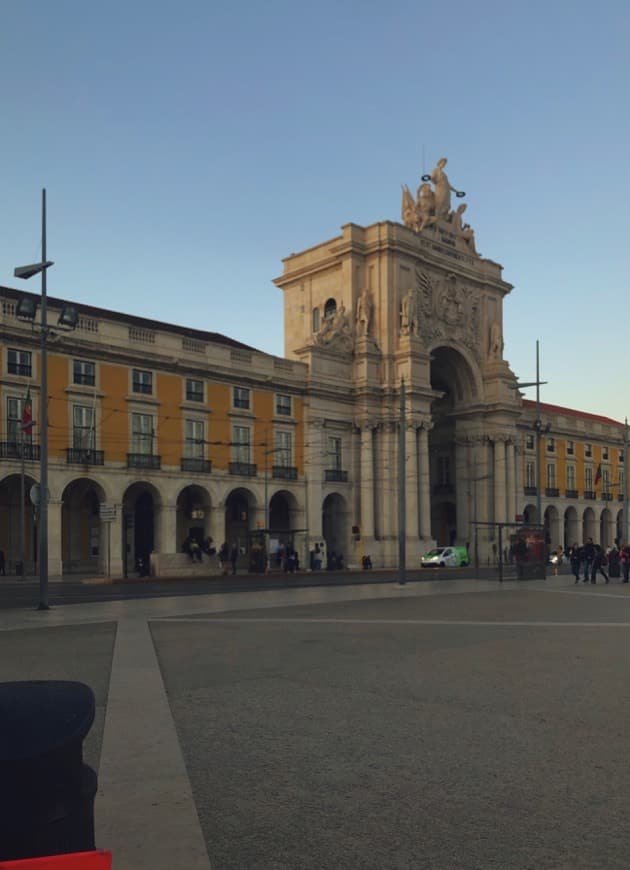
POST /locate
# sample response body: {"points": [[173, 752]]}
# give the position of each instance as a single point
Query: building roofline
{"points": [[93, 311], [570, 412]]}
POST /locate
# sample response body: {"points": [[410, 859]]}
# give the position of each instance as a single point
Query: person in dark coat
{"points": [[234, 557], [575, 558], [588, 552], [625, 562], [598, 564]]}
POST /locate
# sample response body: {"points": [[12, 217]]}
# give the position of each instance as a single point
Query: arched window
{"points": [[330, 308], [315, 319]]}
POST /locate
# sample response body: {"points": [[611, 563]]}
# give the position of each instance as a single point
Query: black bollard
{"points": [[46, 791]]}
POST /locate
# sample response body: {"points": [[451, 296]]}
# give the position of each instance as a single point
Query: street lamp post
{"points": [[539, 429], [68, 318], [28, 272]]}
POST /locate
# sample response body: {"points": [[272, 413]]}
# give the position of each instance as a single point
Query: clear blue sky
{"points": [[187, 147]]}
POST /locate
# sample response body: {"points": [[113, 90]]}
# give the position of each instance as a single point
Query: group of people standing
{"points": [[591, 559]]}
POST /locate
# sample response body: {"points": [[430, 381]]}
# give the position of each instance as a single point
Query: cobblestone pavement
{"points": [[440, 725]]}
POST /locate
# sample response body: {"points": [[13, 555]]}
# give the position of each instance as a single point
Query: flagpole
{"points": [[22, 507]]}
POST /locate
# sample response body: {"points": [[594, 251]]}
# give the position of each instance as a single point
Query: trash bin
{"points": [[46, 791]]}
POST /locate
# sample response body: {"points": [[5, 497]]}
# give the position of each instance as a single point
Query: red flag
{"points": [[598, 474], [27, 413]]}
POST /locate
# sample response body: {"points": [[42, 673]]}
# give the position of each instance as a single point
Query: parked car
{"points": [[445, 557]]}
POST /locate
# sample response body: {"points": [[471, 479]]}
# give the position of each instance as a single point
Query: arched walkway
{"points": [[588, 525], [240, 507], [606, 529], [571, 528], [141, 506], [192, 515], [16, 515], [553, 536], [83, 536], [335, 527]]}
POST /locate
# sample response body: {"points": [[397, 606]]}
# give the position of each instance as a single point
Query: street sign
{"points": [[108, 512]]}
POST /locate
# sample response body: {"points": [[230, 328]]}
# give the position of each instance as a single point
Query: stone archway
{"points": [[459, 486], [240, 507], [606, 529], [18, 527], [192, 515], [335, 527], [83, 538], [588, 525], [530, 515], [619, 528], [552, 532], [141, 506], [571, 528]]}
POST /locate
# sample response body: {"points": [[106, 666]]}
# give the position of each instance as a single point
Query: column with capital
{"points": [[366, 493], [411, 483], [511, 481], [424, 481], [316, 450], [166, 531], [499, 480], [55, 567], [386, 476]]}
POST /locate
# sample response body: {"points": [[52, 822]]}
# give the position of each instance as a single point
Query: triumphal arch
{"points": [[410, 302]]}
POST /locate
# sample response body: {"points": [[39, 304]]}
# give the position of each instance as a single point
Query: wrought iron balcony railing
{"points": [[243, 469], [571, 493], [588, 493], [203, 466], [284, 472], [529, 490], [335, 475], [76, 456], [143, 460], [552, 492], [13, 450]]}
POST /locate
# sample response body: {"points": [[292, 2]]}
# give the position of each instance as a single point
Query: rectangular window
{"points": [[605, 480], [588, 450], [444, 470], [142, 382], [621, 456], [194, 441], [529, 442], [530, 474], [83, 372], [570, 448], [334, 453], [83, 433], [551, 445], [283, 406], [142, 434], [194, 390], [241, 444], [604, 452], [551, 475], [241, 398], [570, 476], [19, 362], [284, 449], [15, 408], [588, 479]]}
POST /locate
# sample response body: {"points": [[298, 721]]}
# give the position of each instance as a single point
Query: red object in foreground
{"points": [[72, 861]]}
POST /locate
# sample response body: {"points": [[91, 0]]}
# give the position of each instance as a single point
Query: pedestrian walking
{"points": [[625, 562], [575, 558], [224, 556], [234, 557], [588, 556], [599, 563]]}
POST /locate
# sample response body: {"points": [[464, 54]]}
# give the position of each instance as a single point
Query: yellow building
{"points": [[170, 432]]}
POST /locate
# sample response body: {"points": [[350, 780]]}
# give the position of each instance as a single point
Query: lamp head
{"points": [[69, 317], [26, 308], [27, 272]]}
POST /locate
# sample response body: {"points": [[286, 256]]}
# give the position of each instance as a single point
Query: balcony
{"points": [[284, 472], [607, 496], [143, 460], [13, 450], [335, 475], [552, 492], [571, 493], [588, 493], [76, 456], [243, 469], [529, 490], [202, 466]]}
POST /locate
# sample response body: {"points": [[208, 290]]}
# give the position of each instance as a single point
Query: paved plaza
{"points": [[446, 724]]}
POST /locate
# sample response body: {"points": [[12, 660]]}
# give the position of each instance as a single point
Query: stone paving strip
{"points": [[145, 807]]}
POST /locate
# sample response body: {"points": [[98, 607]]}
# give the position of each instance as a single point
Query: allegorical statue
{"points": [[496, 340], [364, 313], [432, 206], [409, 314]]}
